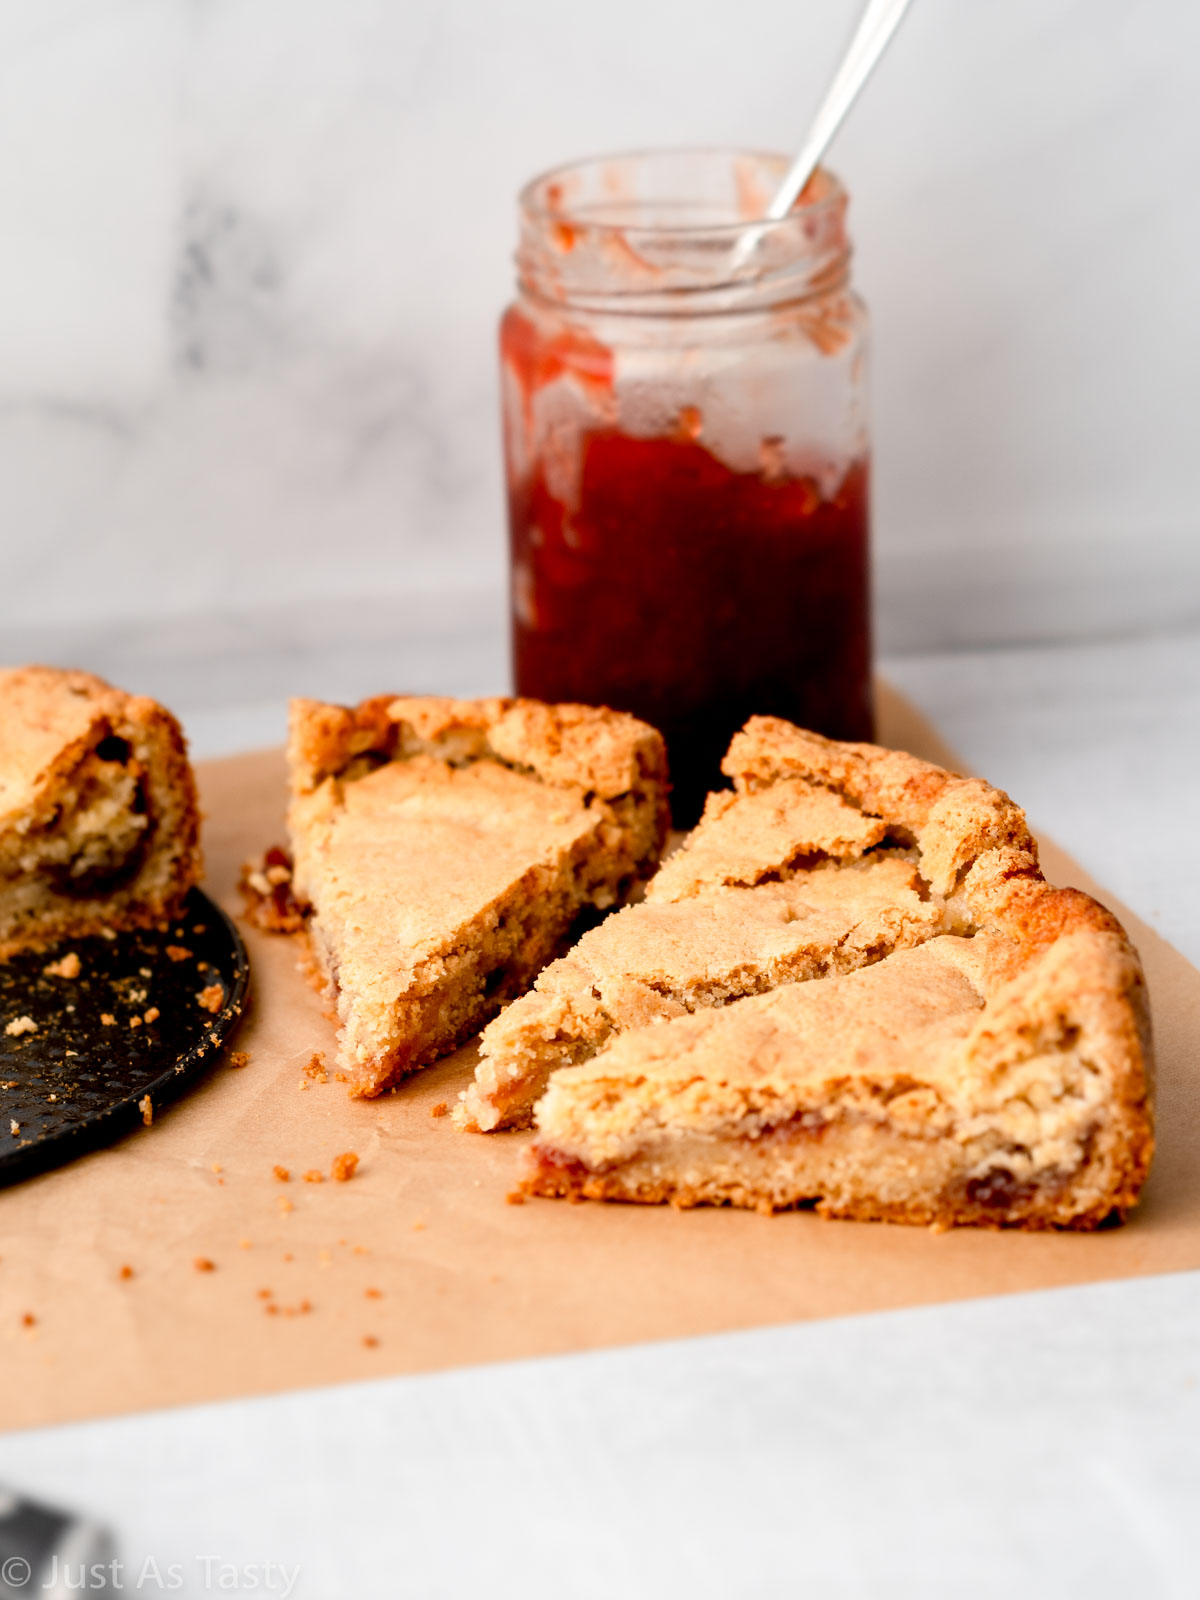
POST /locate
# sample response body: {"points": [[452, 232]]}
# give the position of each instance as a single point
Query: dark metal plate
{"points": [[77, 1082]]}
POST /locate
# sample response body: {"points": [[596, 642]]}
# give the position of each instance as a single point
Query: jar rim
{"points": [[541, 199]]}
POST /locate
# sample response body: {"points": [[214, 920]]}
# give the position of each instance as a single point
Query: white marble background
{"points": [[253, 251]]}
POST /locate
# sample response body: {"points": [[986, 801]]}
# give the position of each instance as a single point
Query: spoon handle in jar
{"points": [[879, 22]]}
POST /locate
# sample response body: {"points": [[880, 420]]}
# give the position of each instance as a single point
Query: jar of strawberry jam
{"points": [[687, 455]]}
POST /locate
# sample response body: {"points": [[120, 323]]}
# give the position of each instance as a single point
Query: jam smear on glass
{"points": [[687, 454], [695, 597]]}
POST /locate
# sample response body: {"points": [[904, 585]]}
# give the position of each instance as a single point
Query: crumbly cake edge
{"points": [[607, 753], [922, 803]]}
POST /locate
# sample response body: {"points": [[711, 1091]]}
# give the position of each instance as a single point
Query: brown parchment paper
{"points": [[418, 1262]]}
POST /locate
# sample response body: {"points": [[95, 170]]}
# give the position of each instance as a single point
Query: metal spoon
{"points": [[879, 22]]}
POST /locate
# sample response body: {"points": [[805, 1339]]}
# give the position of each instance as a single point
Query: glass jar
{"points": [[687, 454]]}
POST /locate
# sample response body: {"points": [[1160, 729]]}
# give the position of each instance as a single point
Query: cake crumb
{"points": [[361, 1250], [370, 1341], [179, 952], [345, 1166], [313, 1176], [135, 1022], [514, 1197], [125, 1273], [245, 1244], [28, 1320], [20, 1025], [146, 1107], [68, 967], [14, 1127], [203, 1264], [265, 1294], [315, 1070], [282, 1174], [239, 1058], [217, 1167], [268, 899], [439, 1110], [211, 998], [107, 1018], [152, 1015], [340, 1077], [373, 1294], [418, 1226], [284, 1204]]}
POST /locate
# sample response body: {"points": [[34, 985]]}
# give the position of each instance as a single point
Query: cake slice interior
{"points": [[448, 848], [99, 824]]}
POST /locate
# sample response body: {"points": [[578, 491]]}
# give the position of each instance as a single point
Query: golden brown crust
{"points": [[607, 753], [1028, 1105], [951, 819], [87, 767]]}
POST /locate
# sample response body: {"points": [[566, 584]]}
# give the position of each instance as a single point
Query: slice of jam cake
{"points": [[447, 848], [992, 1066]]}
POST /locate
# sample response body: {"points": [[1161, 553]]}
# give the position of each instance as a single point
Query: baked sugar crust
{"points": [[446, 848], [99, 821], [996, 1074]]}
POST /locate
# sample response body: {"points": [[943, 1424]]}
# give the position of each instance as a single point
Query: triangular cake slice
{"points": [[446, 848], [997, 1074], [812, 868], [99, 824]]}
